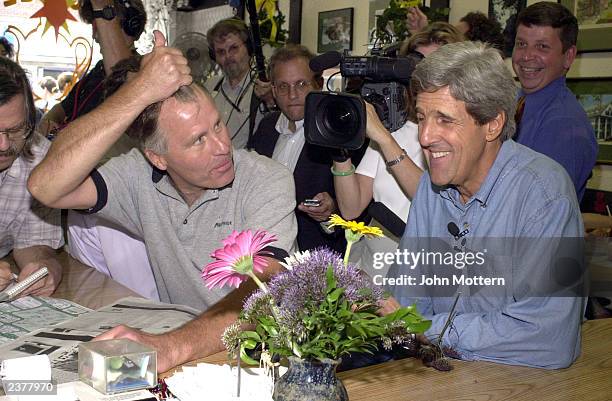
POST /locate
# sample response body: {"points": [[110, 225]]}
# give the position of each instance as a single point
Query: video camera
{"points": [[338, 120]]}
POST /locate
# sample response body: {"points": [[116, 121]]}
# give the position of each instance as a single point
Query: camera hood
{"points": [[335, 120]]}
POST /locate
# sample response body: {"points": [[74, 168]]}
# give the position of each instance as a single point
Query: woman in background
{"points": [[391, 167]]}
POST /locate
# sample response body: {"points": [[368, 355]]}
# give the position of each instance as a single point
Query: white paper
{"points": [[36, 367], [219, 383]]}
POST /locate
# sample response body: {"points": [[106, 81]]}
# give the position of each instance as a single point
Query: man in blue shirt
{"points": [[553, 122], [483, 186]]}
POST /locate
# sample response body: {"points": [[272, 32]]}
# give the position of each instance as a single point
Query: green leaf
{"points": [[330, 278], [335, 294], [249, 343], [245, 357], [250, 335]]}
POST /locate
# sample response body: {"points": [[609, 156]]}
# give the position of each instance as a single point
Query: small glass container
{"points": [[116, 366]]}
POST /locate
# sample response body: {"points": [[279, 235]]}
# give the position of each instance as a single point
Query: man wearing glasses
{"points": [[280, 135], [238, 96], [27, 228]]}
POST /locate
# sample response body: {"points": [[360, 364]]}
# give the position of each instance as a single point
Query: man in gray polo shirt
{"points": [[189, 192]]}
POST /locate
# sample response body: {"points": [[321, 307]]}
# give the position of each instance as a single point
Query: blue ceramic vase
{"points": [[310, 379]]}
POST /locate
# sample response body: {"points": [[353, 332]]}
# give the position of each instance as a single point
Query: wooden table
{"points": [[85, 285], [590, 378]]}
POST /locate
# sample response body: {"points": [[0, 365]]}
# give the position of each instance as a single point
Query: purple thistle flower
{"points": [[257, 304], [302, 289]]}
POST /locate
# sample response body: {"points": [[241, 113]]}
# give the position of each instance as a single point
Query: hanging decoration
{"points": [[83, 51], [158, 18], [271, 21], [56, 12], [391, 25]]}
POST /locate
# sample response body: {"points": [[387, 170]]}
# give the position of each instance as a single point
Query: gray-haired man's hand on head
{"points": [[162, 72]]}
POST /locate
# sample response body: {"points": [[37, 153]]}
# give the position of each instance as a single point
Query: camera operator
{"points": [[392, 166]]}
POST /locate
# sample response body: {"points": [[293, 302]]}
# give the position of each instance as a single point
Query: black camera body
{"points": [[339, 120], [335, 120], [389, 101]]}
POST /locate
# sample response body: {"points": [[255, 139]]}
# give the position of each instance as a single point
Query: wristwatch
{"points": [[397, 160], [108, 13]]}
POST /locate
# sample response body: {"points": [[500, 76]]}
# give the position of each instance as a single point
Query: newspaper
{"points": [[24, 315], [61, 341]]}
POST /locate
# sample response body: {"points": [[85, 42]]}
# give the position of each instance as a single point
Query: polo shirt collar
{"points": [[161, 181]]}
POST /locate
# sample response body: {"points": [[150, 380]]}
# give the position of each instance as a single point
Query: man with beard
{"points": [[28, 229], [231, 48]]}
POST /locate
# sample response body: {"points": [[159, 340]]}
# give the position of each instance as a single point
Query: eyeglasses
{"points": [[18, 133], [300, 87]]}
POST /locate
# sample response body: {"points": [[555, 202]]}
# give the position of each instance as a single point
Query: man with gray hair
{"points": [[183, 196], [483, 187]]}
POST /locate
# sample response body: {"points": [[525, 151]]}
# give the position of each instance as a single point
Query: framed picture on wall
{"points": [[595, 22], [335, 30], [595, 96], [505, 12]]}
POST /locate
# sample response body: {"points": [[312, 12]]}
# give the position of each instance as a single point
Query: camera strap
{"points": [[243, 90]]}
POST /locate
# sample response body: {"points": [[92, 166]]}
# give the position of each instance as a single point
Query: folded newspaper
{"points": [[60, 341], [24, 315]]}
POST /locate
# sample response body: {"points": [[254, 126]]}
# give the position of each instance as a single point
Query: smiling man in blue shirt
{"points": [[481, 185], [553, 122]]}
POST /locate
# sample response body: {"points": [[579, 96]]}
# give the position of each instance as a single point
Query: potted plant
{"points": [[316, 311]]}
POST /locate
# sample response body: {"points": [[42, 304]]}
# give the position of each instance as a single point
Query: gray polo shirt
{"points": [[179, 239]]}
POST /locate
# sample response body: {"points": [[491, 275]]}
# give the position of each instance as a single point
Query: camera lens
{"points": [[335, 120], [340, 118]]}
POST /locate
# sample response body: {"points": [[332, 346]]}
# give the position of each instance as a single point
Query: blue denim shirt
{"points": [[525, 194], [555, 124]]}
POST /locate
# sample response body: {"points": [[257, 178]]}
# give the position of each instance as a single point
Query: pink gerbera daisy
{"points": [[241, 257]]}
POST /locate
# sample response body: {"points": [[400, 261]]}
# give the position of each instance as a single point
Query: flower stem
{"points": [[257, 281], [273, 306], [349, 244]]}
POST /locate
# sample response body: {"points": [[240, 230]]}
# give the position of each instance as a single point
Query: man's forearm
{"points": [[82, 144], [210, 325], [32, 254], [198, 338], [207, 328], [111, 38]]}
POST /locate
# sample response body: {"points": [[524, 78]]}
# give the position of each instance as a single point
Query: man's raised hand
{"points": [[162, 72]]}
